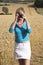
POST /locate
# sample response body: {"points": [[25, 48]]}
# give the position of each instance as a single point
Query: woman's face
{"points": [[21, 21]]}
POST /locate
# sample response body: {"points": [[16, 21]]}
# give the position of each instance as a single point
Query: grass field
{"points": [[7, 39], [39, 10]]}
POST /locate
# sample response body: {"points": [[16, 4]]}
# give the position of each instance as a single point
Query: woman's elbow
{"points": [[11, 30], [30, 31]]}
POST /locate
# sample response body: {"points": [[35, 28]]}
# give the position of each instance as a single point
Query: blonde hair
{"points": [[20, 8]]}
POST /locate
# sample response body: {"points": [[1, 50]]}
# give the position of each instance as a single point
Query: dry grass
{"points": [[39, 10], [7, 39]]}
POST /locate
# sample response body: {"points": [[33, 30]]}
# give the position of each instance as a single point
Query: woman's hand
{"points": [[24, 16], [16, 17]]}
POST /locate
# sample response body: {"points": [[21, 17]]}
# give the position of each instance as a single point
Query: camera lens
{"points": [[20, 16]]}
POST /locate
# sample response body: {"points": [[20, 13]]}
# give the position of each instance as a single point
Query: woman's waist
{"points": [[25, 44], [22, 41]]}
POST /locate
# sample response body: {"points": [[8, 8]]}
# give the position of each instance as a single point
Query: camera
{"points": [[20, 16]]}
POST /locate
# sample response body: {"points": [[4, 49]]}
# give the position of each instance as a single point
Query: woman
{"points": [[21, 27]]}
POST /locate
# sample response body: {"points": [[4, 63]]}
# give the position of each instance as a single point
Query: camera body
{"points": [[20, 16]]}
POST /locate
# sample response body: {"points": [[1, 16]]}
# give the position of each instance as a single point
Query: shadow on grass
{"points": [[5, 14], [31, 6], [4, 4]]}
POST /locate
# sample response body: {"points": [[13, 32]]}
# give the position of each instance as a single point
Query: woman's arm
{"points": [[12, 27], [29, 29]]}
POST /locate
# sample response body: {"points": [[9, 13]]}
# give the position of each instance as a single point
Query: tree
{"points": [[5, 10], [39, 3]]}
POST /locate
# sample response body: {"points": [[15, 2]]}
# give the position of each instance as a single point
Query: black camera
{"points": [[20, 16]]}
